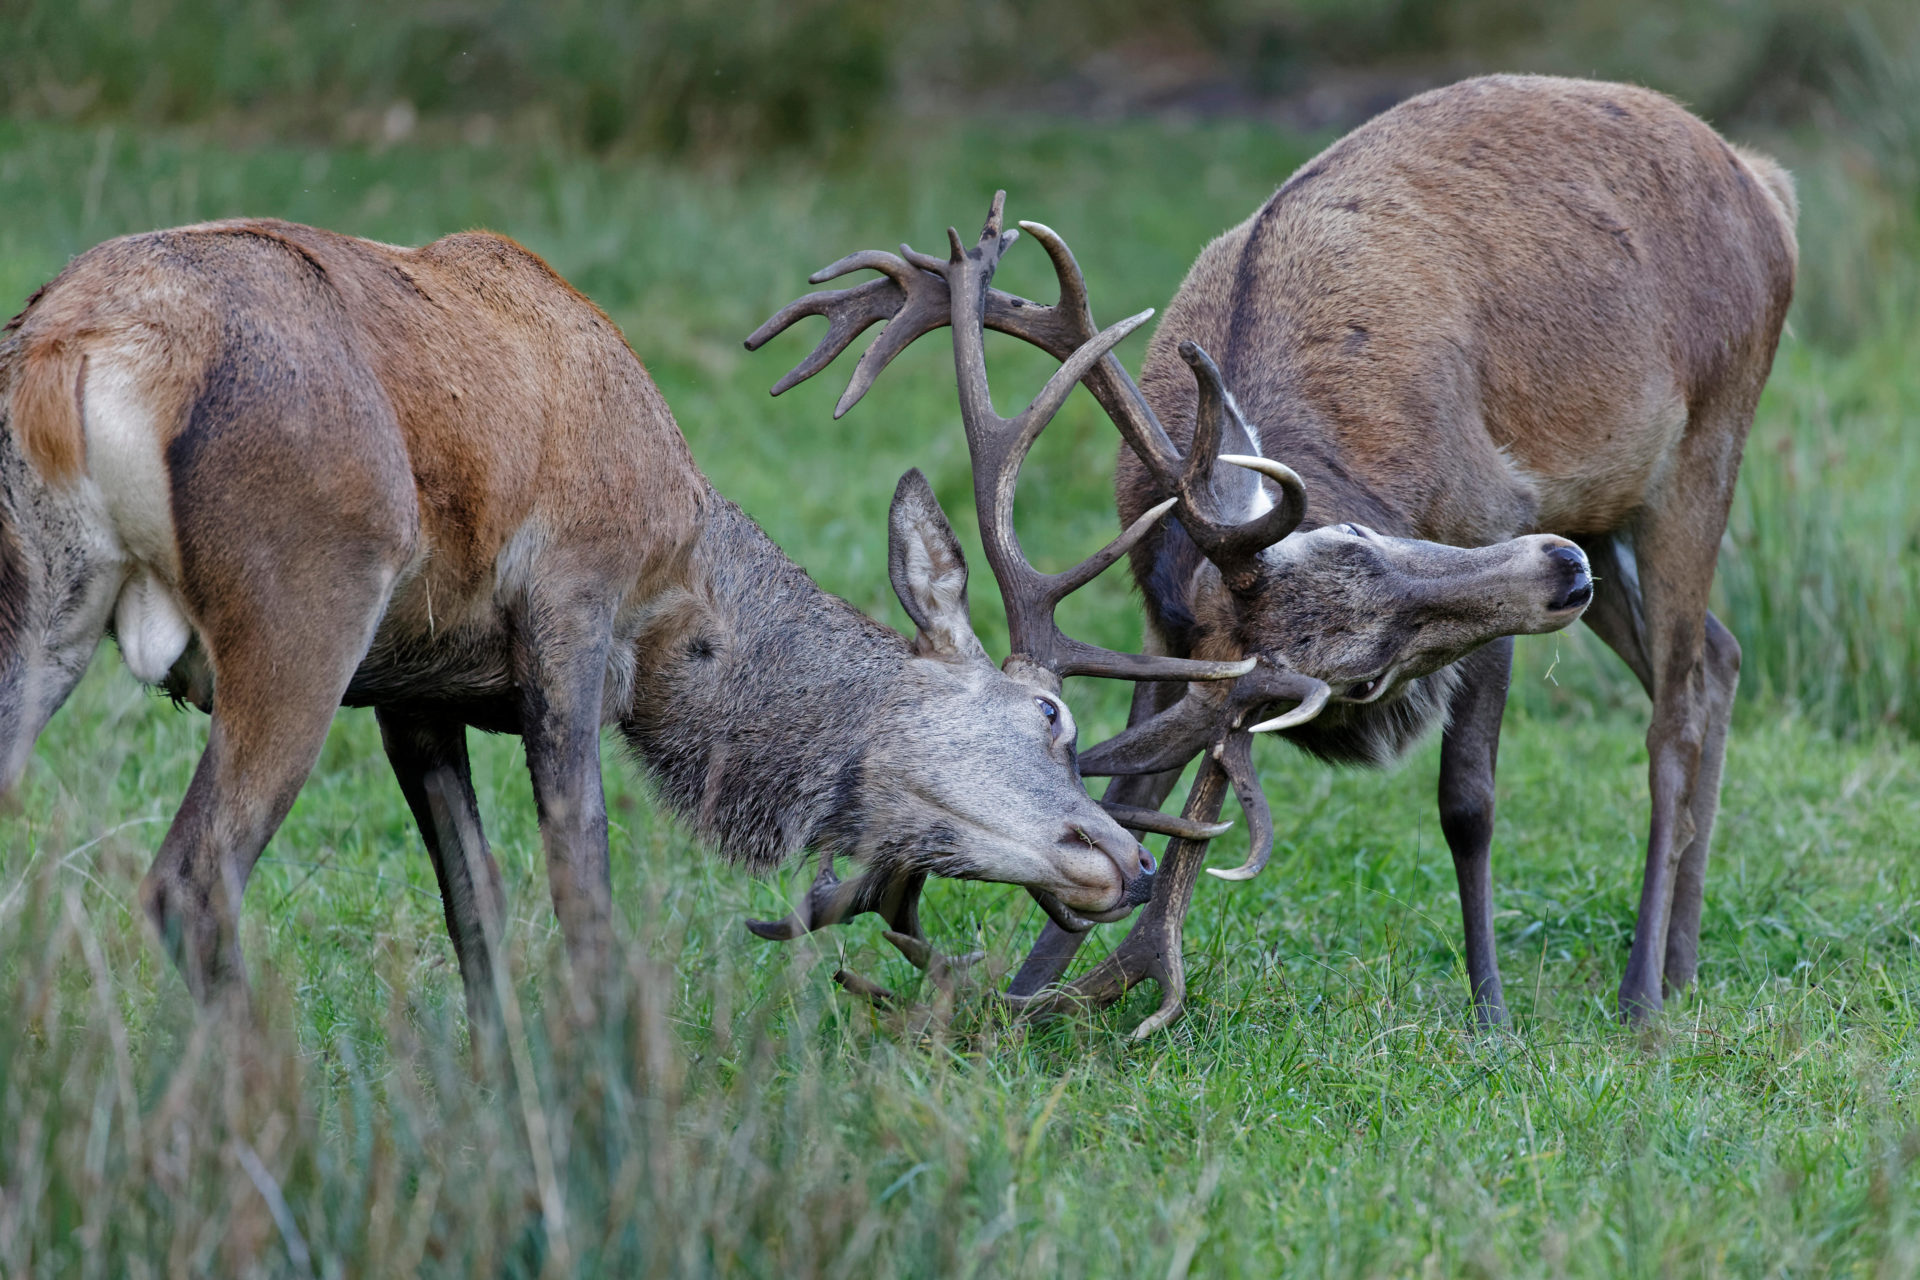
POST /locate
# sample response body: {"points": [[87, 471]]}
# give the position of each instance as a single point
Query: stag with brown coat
{"points": [[290, 470], [1510, 306]]}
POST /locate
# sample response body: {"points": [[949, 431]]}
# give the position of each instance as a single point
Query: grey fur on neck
{"points": [[757, 696]]}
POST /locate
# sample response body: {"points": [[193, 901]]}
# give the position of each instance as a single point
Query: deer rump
{"points": [[1501, 342]]}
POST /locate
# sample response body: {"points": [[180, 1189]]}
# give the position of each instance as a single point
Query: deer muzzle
{"points": [[1576, 576], [1132, 866]]}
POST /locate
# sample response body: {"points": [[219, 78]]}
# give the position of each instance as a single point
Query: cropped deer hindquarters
{"points": [[1512, 306], [292, 470]]}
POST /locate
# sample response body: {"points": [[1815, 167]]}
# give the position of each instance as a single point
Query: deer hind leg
{"points": [[428, 751], [1615, 616], [1468, 754], [293, 515], [1657, 620], [279, 679], [1721, 660], [561, 644]]}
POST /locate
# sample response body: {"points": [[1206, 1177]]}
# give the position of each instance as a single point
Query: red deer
{"points": [[290, 470], [1514, 305]]}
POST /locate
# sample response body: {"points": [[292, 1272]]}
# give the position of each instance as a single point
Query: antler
{"points": [[998, 447], [913, 297], [893, 895], [919, 293]]}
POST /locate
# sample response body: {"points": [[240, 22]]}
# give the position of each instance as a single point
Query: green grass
{"points": [[1319, 1110]]}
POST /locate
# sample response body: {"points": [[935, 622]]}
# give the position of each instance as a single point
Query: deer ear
{"points": [[929, 572]]}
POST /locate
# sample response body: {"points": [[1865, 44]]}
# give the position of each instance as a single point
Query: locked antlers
{"points": [[914, 297], [918, 293], [1231, 523]]}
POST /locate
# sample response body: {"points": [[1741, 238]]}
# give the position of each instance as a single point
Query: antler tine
{"points": [[911, 299], [999, 446], [1174, 736], [1059, 912], [1237, 760], [1310, 706], [831, 900], [1233, 545], [1069, 322], [1167, 824], [1166, 741]]}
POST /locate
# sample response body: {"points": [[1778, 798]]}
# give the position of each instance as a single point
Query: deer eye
{"points": [[1363, 689], [1051, 710]]}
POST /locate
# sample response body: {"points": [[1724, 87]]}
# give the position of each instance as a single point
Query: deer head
{"points": [[1363, 612], [979, 763]]}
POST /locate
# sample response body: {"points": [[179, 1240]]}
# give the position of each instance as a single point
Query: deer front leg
{"points": [[1468, 754], [428, 751], [561, 647]]}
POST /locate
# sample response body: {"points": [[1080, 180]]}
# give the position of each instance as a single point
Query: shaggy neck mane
{"points": [[757, 696]]}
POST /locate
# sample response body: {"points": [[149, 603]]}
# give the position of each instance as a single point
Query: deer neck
{"points": [[757, 695]]}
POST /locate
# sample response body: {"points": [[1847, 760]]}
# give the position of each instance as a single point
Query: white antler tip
{"points": [[1237, 873], [1278, 472]]}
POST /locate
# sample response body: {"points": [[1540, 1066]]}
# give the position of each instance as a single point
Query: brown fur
{"points": [[436, 481], [46, 410], [1514, 305]]}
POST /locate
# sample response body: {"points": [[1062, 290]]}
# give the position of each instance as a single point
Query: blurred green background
{"points": [[586, 127], [1320, 1109]]}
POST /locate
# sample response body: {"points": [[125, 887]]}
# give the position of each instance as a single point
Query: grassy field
{"points": [[1319, 1111]]}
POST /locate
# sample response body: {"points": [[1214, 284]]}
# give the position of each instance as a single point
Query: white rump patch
{"points": [[124, 458], [151, 626]]}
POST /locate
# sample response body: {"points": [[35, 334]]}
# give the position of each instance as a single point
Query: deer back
{"points": [[460, 396], [1489, 310]]}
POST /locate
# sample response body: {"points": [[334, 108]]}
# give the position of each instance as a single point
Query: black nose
{"points": [[1579, 588], [1140, 892]]}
